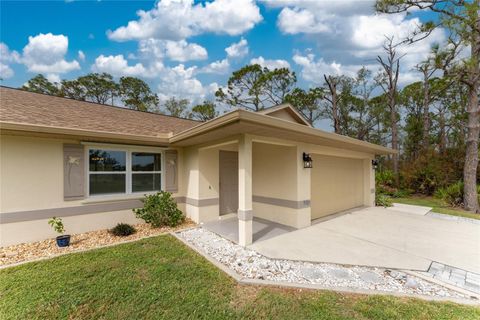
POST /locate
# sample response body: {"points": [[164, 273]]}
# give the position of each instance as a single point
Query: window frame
{"points": [[128, 172]]}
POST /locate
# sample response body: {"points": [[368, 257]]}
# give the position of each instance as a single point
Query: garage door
{"points": [[336, 184]]}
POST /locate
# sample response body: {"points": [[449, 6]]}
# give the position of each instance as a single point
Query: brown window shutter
{"points": [[171, 170], [73, 172]]}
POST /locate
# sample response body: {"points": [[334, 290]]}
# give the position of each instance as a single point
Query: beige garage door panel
{"points": [[337, 184]]}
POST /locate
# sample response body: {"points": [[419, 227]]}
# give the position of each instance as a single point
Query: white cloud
{"points": [[316, 17], [270, 64], [180, 19], [7, 57], [313, 70], [81, 55], [118, 66], [297, 20], [5, 71], [45, 53], [180, 82], [238, 49], [175, 50], [218, 67], [183, 51], [349, 35]]}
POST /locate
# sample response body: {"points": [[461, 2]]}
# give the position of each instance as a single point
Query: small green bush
{"points": [[57, 224], [160, 210], [383, 200], [122, 230], [452, 194]]}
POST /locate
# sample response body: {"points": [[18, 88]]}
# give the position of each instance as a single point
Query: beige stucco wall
{"points": [[274, 171], [276, 176], [31, 178], [201, 179], [31, 171]]}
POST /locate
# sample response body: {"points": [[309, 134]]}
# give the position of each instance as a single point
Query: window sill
{"points": [[113, 198]]}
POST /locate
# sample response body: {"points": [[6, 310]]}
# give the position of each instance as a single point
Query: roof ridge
{"points": [[96, 103]]}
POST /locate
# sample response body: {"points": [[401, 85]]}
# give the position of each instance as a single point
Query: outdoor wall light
{"points": [[374, 164], [307, 161]]}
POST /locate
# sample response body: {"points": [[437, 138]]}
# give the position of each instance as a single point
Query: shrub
{"points": [[160, 210], [432, 171], [385, 182], [453, 194], [57, 224], [401, 193], [122, 230], [383, 200]]}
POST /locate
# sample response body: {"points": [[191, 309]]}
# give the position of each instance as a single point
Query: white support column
{"points": [[245, 212]]}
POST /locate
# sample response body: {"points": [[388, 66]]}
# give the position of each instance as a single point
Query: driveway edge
{"points": [[268, 283]]}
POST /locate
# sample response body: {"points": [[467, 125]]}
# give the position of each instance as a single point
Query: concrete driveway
{"points": [[381, 237]]}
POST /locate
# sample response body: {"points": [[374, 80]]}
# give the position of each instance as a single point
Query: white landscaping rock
{"points": [[249, 264]]}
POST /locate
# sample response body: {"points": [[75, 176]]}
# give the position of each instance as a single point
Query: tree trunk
{"points": [[393, 119], [443, 133], [426, 109], [470, 197], [336, 121]]}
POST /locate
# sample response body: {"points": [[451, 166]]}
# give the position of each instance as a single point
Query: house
{"points": [[91, 164]]}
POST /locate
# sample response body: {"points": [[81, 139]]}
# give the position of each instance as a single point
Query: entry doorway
{"points": [[228, 182]]}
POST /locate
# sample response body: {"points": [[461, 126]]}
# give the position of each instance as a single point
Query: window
{"points": [[146, 171], [123, 171]]}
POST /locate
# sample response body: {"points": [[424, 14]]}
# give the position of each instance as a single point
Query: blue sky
{"points": [[187, 49]]}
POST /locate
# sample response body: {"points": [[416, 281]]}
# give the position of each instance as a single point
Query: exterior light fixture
{"points": [[307, 161], [374, 164]]}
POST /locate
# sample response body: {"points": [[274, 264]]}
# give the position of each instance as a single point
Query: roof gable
{"points": [[286, 112]]}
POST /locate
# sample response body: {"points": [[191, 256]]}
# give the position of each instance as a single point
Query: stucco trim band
{"points": [[245, 215], [22, 216], [199, 202], [292, 204]]}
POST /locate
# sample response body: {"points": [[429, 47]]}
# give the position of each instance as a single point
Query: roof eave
{"points": [[13, 126], [243, 115]]}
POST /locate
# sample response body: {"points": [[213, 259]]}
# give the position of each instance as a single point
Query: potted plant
{"points": [[57, 224]]}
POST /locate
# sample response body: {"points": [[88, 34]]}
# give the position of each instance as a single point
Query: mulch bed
{"points": [[78, 242]]}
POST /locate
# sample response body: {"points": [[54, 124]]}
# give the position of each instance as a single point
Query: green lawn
{"points": [[438, 206], [160, 278]]}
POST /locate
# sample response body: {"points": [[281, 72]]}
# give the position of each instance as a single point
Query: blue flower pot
{"points": [[63, 241]]}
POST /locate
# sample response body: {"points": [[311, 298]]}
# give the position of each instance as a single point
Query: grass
{"points": [[160, 278], [438, 206]]}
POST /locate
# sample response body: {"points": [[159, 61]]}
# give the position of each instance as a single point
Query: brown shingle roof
{"points": [[23, 107]]}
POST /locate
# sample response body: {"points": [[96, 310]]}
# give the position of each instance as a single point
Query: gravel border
{"points": [[35, 251], [249, 267]]}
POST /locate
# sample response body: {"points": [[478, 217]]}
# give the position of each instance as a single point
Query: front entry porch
{"points": [[248, 176], [261, 229]]}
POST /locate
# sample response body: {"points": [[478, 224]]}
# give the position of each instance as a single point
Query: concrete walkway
{"points": [[383, 238]]}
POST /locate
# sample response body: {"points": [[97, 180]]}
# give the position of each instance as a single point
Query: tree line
{"points": [[131, 92]]}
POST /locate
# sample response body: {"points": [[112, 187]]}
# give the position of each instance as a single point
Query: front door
{"points": [[228, 174]]}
